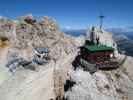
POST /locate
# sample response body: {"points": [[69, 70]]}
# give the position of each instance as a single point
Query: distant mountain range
{"points": [[122, 31], [123, 37], [76, 32]]}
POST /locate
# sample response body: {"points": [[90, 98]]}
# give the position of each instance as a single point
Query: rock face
{"points": [[24, 35], [109, 85], [47, 81]]}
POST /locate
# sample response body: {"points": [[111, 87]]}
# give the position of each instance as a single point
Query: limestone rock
{"points": [[40, 85]]}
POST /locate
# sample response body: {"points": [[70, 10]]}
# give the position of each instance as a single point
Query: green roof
{"points": [[98, 48]]}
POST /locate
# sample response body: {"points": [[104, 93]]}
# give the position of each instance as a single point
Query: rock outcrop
{"points": [[24, 35], [111, 85]]}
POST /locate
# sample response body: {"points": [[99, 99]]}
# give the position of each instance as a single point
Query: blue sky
{"points": [[73, 13]]}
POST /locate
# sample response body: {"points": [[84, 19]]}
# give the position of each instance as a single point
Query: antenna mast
{"points": [[101, 17]]}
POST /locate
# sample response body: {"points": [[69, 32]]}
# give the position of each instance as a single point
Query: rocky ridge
{"points": [[27, 33]]}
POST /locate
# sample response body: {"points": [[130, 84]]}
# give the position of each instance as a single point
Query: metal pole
{"points": [[101, 20]]}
